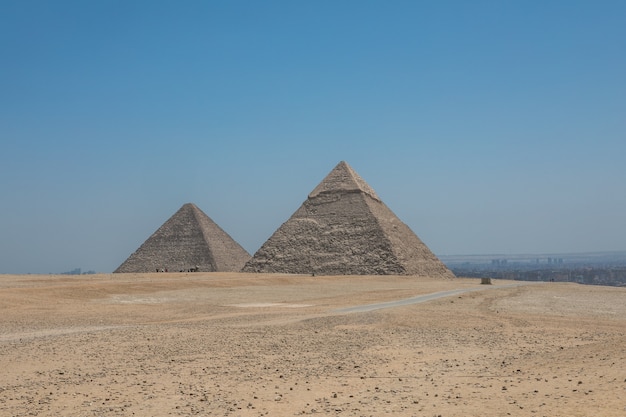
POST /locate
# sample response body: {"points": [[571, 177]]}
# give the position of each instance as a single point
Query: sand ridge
{"points": [[79, 346]]}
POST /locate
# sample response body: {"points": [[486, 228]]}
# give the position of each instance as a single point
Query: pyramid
{"points": [[343, 228], [189, 240]]}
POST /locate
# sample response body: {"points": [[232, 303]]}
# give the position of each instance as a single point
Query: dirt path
{"points": [[420, 299]]}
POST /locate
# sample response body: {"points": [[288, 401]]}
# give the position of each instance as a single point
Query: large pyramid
{"points": [[343, 228], [189, 240]]}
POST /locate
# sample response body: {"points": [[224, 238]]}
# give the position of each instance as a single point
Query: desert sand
{"points": [[228, 344]]}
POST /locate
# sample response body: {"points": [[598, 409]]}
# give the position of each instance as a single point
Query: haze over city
{"points": [[487, 127]]}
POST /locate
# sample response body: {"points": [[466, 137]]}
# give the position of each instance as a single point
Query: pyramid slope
{"points": [[408, 248], [189, 239], [343, 228]]}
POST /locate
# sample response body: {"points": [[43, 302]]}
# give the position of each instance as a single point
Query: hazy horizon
{"points": [[487, 127], [618, 258]]}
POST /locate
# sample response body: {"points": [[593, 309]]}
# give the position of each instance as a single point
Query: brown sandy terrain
{"points": [[217, 344]]}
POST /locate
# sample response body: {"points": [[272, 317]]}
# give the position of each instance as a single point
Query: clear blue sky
{"points": [[486, 126]]}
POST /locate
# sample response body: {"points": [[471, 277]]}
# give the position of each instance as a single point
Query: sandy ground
{"points": [[255, 345]]}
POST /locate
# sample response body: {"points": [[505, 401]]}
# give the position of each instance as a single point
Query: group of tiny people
{"points": [[194, 269]]}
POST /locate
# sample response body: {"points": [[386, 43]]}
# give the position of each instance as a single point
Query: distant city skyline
{"points": [[487, 127]]}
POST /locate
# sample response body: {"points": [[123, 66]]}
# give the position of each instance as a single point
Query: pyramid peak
{"points": [[191, 208], [343, 179]]}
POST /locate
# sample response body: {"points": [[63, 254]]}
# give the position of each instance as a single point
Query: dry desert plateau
{"points": [[230, 344]]}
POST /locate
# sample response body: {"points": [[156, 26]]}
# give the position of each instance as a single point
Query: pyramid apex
{"points": [[343, 179], [191, 207]]}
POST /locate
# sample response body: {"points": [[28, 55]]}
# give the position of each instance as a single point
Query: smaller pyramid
{"points": [[187, 241], [343, 228]]}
